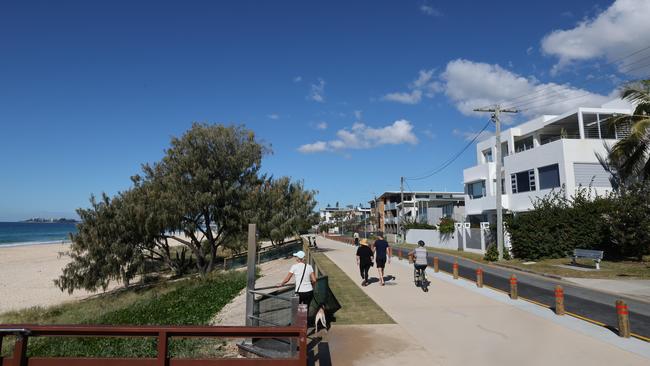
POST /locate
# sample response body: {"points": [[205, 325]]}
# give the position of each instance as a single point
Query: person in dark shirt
{"points": [[382, 252], [364, 260]]}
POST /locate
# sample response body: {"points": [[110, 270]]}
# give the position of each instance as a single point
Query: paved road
{"points": [[456, 323], [592, 304]]}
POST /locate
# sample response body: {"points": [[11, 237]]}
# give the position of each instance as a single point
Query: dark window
{"points": [[487, 155], [549, 176], [476, 189], [523, 181]]}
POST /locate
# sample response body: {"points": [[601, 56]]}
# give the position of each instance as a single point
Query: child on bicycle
{"points": [[419, 255]]}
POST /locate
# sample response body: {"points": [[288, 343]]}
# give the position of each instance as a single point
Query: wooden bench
{"points": [[596, 255]]}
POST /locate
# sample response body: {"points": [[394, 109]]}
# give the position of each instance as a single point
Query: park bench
{"points": [[596, 255]]}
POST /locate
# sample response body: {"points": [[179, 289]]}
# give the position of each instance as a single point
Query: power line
{"points": [[448, 162]]}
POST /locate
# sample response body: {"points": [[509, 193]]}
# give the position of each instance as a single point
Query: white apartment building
{"points": [[540, 155]]}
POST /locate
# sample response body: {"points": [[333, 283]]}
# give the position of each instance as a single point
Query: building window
{"points": [[487, 156], [448, 210], [549, 176], [476, 189], [524, 144], [523, 181]]}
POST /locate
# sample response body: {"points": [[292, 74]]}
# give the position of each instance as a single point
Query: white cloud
{"points": [[430, 10], [358, 115], [317, 92], [614, 33], [424, 85], [414, 97], [297, 79], [318, 146], [361, 136], [529, 50], [471, 85], [321, 125], [273, 116]]}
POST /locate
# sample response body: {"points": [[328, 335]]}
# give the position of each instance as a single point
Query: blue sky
{"points": [[351, 95]]}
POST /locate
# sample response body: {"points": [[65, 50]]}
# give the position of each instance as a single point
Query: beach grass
{"points": [[356, 306], [190, 301]]}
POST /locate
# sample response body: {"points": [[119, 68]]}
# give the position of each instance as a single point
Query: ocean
{"points": [[26, 233]]}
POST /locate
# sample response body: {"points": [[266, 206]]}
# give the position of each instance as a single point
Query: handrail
{"points": [[13, 331], [297, 334], [269, 295], [270, 287]]}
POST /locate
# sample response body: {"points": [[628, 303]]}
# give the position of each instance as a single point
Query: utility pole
{"points": [[496, 111], [399, 218]]}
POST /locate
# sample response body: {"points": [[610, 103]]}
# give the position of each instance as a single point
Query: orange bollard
{"points": [[399, 254], [435, 264], [559, 300], [513, 287], [623, 319], [479, 277], [455, 267]]}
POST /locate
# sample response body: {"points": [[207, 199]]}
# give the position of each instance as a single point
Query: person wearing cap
{"points": [[304, 278], [382, 252], [364, 260]]}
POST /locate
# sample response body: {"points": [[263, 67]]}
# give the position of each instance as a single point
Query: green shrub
{"points": [[447, 225], [629, 222], [558, 224], [492, 253]]}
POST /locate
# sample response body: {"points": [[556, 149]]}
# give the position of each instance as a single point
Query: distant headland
{"points": [[41, 220]]}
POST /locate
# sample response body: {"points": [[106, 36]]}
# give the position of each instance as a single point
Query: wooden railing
{"points": [[23, 332]]}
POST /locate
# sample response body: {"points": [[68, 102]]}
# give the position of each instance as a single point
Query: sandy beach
{"points": [[26, 275]]}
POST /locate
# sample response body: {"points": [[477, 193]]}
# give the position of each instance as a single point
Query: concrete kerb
{"points": [[573, 322]]}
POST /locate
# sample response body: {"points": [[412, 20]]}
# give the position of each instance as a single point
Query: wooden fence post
{"points": [[20, 350], [513, 287], [623, 319], [436, 267], [250, 278], [559, 300], [455, 269], [162, 359], [479, 277]]}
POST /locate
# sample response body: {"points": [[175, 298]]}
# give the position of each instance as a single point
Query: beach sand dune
{"points": [[27, 274]]}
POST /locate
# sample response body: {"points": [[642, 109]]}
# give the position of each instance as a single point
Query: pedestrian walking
{"points": [[364, 260], [382, 251], [356, 239], [304, 278]]}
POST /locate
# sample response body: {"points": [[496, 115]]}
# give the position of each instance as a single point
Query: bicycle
{"points": [[420, 278]]}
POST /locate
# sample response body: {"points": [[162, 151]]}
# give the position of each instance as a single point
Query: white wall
{"points": [[431, 238]]}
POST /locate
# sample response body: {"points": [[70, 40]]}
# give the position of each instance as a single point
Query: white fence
{"points": [[463, 238]]}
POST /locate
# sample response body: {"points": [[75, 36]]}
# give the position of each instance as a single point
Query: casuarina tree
{"points": [[197, 195]]}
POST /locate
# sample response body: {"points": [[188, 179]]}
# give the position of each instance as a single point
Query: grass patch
{"points": [[191, 301], [356, 306], [608, 269]]}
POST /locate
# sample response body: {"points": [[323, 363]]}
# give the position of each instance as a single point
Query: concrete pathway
{"points": [[458, 324]]}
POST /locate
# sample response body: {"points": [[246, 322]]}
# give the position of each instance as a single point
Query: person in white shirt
{"points": [[304, 278]]}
